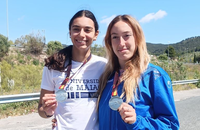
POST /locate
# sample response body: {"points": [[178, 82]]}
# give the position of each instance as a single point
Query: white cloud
{"points": [[107, 20], [153, 16], [21, 18], [102, 36]]}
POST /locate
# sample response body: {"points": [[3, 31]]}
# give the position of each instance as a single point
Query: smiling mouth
{"points": [[82, 42]]}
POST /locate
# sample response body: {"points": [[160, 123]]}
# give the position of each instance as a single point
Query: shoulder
{"points": [[46, 70], [157, 79], [155, 71]]}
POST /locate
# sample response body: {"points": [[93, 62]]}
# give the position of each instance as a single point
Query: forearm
{"points": [[153, 124], [44, 102], [42, 113]]}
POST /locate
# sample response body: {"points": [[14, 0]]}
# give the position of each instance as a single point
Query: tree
{"points": [[198, 58], [195, 59], [4, 46], [98, 50], [32, 43], [53, 46], [64, 45], [162, 57], [10, 42], [171, 52]]}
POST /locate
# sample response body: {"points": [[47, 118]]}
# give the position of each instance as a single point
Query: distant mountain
{"points": [[188, 45]]}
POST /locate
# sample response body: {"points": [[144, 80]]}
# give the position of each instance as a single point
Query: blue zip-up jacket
{"points": [[155, 107]]}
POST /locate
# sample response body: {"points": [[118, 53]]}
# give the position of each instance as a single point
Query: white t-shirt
{"points": [[78, 112]]}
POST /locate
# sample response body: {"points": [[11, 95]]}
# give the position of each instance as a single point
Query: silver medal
{"points": [[115, 102], [61, 95]]}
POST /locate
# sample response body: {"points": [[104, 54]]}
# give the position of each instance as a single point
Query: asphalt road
{"points": [[189, 113], [187, 105]]}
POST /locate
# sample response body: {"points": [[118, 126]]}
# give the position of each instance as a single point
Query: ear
{"points": [[96, 35]]}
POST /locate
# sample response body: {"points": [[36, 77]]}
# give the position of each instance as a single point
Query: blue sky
{"points": [[163, 21]]}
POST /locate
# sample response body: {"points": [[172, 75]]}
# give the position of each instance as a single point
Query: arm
{"points": [[47, 103], [163, 112]]}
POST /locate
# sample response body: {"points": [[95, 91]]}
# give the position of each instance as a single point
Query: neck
{"points": [[122, 65], [80, 56]]}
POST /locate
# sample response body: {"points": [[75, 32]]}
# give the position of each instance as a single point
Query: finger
{"points": [[127, 113], [49, 95], [120, 107], [129, 120], [54, 120], [123, 109], [44, 99], [54, 124], [48, 103], [50, 109], [129, 116]]}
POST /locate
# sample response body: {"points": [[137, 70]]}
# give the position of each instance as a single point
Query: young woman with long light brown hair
{"points": [[133, 93]]}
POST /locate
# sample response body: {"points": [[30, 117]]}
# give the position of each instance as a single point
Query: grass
{"points": [[18, 108]]}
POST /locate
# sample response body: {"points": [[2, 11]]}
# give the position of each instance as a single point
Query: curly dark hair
{"points": [[57, 60]]}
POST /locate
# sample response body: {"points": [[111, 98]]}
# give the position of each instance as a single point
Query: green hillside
{"points": [[188, 45]]}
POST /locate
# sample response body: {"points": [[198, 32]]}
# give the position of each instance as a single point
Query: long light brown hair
{"points": [[133, 68]]}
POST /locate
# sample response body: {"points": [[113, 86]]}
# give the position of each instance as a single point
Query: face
{"points": [[122, 41], [83, 33]]}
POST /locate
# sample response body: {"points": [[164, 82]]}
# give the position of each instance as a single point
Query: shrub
{"points": [[36, 62]]}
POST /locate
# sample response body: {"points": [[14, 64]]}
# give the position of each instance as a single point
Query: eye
{"points": [[114, 37], [76, 29], [88, 30], [127, 35]]}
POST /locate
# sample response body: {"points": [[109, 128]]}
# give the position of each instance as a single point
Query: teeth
{"points": [[81, 41]]}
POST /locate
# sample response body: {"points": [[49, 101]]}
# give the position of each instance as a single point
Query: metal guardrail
{"points": [[19, 98], [185, 81], [36, 96]]}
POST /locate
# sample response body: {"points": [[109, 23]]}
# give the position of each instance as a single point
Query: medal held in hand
{"points": [[61, 95], [115, 101]]}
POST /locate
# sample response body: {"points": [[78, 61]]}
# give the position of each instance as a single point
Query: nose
{"points": [[122, 41], [82, 33]]}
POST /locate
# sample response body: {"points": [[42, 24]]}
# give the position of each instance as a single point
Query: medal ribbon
{"points": [[67, 79], [116, 82]]}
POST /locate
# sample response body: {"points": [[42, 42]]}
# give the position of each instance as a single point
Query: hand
{"points": [[127, 113], [49, 103], [54, 123]]}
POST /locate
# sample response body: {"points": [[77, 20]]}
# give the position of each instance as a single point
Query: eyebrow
{"points": [[76, 26], [122, 33]]}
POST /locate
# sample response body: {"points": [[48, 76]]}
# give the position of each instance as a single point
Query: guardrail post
{"points": [[0, 77], [0, 82]]}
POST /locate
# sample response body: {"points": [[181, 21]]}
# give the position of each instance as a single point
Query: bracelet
{"points": [[47, 115]]}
